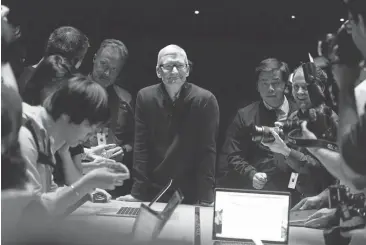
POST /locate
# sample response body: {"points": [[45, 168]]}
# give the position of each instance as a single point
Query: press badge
{"points": [[102, 139], [293, 180]]}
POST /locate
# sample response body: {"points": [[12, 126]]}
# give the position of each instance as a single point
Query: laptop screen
{"points": [[243, 215]]}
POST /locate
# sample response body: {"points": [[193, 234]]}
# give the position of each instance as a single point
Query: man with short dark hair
{"points": [[176, 125], [66, 41], [67, 117], [258, 167]]}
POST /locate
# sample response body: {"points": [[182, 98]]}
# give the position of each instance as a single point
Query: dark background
{"points": [[225, 41]]}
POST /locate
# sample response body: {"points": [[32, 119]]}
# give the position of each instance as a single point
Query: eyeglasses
{"points": [[169, 67]]}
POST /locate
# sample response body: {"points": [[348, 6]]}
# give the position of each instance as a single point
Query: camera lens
{"points": [[262, 134], [291, 124]]}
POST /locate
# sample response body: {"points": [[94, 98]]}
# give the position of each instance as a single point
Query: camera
{"points": [[319, 118], [263, 133], [350, 207]]}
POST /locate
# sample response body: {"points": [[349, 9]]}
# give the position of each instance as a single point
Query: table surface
{"points": [[180, 227]]}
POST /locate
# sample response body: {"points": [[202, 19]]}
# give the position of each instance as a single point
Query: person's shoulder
{"points": [[123, 94], [201, 92], [27, 72], [148, 91], [249, 108], [29, 110], [26, 140], [33, 123], [293, 107], [31, 113]]}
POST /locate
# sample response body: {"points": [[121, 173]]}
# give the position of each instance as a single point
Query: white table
{"points": [[179, 228]]}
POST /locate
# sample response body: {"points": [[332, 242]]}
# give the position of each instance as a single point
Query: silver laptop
{"points": [[132, 211], [243, 215]]}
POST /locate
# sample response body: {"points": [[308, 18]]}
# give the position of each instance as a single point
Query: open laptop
{"points": [[243, 215], [149, 223], [131, 211]]}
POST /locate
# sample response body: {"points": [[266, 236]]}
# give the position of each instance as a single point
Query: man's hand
{"points": [[100, 162], [128, 198], [306, 134], [278, 146], [259, 180], [106, 178], [106, 151], [314, 202], [322, 218]]}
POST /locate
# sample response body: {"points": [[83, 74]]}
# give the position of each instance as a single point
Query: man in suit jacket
{"points": [[176, 126]]}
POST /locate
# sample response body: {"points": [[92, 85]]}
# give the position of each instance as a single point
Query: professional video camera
{"points": [[319, 118]]}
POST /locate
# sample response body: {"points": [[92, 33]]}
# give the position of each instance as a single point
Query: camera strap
{"points": [[316, 143]]}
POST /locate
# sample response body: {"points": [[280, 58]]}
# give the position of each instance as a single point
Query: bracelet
{"points": [[73, 188]]}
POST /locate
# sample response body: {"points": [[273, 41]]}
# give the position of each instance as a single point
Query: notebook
{"points": [[149, 223], [131, 211], [241, 216]]}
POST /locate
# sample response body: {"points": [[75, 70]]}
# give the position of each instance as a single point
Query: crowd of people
{"points": [[66, 135]]}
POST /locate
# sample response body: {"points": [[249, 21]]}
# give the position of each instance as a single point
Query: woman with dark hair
{"points": [[46, 78]]}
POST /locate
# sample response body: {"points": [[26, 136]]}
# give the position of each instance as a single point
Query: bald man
{"points": [[176, 125]]}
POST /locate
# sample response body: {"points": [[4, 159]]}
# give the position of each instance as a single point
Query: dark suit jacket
{"points": [[175, 141]]}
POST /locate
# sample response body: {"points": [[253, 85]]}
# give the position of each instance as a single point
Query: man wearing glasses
{"points": [[176, 125]]}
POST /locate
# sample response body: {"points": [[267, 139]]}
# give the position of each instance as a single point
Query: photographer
{"points": [[254, 165], [349, 166], [312, 177], [352, 129]]}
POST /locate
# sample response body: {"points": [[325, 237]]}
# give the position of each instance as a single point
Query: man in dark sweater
{"points": [[176, 125], [258, 167]]}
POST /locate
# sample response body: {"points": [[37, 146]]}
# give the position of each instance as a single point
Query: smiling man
{"points": [[258, 167], [176, 126]]}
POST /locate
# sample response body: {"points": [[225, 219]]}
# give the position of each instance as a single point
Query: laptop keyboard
{"points": [[128, 211], [233, 243]]}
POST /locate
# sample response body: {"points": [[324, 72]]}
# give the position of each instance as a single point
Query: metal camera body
{"points": [[349, 205], [263, 133]]}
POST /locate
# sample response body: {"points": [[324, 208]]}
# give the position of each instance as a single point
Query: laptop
{"points": [[242, 216], [76, 205], [149, 223], [131, 211]]}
